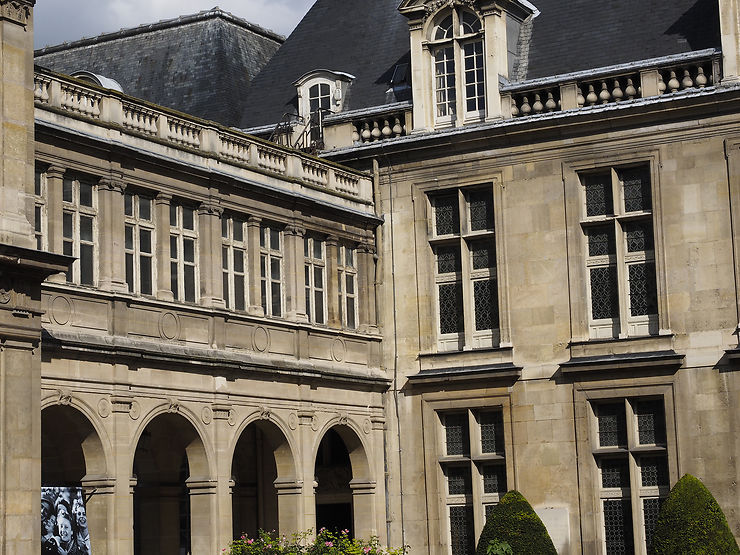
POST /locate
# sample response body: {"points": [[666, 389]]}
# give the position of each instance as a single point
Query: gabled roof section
{"points": [[201, 64], [366, 38]]}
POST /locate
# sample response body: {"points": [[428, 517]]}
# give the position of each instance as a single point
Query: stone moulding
{"points": [[17, 11]]}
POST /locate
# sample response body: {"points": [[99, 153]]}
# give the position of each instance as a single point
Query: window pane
{"points": [[224, 228], [599, 194], [612, 425], [275, 240], [458, 480], [86, 228], [446, 216], [448, 260], [318, 249], [639, 236], [239, 300], [145, 208], [173, 215], [128, 204], [227, 298], [650, 422], [189, 280], [37, 218], [86, 194], [263, 293], [86, 264], [318, 278], [68, 248], [238, 231], [174, 284], [483, 254], [350, 281], [480, 204], [188, 247], [263, 237], [456, 434], [462, 537], [38, 174], [67, 225], [651, 508], [351, 313], [601, 241], [276, 306], [130, 272], [615, 473], [643, 292], [485, 297], [444, 29], [129, 237], [618, 526], [188, 221], [145, 241], [494, 478], [636, 183], [450, 308], [173, 246], [350, 255], [319, 303], [654, 471], [67, 189], [604, 296], [238, 261], [492, 432], [275, 268], [146, 275]]}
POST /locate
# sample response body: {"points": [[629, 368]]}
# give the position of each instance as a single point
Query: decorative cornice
{"points": [[17, 11], [111, 183], [210, 209]]}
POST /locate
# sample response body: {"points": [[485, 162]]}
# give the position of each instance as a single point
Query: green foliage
{"points": [[691, 522], [514, 521], [325, 543], [496, 547]]}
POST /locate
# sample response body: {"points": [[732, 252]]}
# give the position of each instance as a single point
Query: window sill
{"points": [[636, 362], [617, 346]]}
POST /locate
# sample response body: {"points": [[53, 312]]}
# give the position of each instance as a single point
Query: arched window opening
{"points": [[459, 73]]}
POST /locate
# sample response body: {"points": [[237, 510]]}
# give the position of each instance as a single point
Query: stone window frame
{"points": [[347, 273], [231, 245], [72, 242], [268, 255], [434, 407], [586, 397], [577, 242], [40, 207], [457, 43], [469, 338], [314, 266], [137, 224], [180, 233]]}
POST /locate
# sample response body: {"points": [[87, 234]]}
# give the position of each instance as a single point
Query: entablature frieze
{"points": [[17, 11]]}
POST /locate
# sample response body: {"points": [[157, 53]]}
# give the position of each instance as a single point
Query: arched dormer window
{"points": [[456, 46]]}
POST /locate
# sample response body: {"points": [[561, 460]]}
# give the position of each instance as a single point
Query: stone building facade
{"points": [[513, 266]]}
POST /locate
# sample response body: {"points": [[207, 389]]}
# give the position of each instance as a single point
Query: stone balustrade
{"points": [[74, 98], [612, 85], [379, 128]]}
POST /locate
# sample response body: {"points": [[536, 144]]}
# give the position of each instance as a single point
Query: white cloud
{"points": [[66, 20]]}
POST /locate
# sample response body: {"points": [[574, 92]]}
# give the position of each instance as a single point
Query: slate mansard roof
{"points": [[200, 64], [368, 38]]}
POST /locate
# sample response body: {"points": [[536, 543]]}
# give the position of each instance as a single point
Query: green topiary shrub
{"points": [[514, 521], [691, 522]]}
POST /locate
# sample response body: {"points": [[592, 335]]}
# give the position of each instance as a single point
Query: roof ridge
{"points": [[213, 13]]}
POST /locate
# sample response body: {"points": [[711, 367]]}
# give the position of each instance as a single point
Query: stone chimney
{"points": [[729, 22]]}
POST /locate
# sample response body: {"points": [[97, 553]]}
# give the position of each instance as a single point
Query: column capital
{"points": [[113, 183], [210, 208], [163, 198], [55, 172], [295, 229], [17, 11], [367, 248], [331, 241], [254, 221]]}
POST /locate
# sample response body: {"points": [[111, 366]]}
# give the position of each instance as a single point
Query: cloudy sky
{"points": [[65, 20]]}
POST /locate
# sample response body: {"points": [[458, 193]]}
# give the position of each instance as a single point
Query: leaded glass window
{"points": [[620, 252], [634, 475], [446, 215], [480, 210], [472, 464], [486, 304], [450, 308]]}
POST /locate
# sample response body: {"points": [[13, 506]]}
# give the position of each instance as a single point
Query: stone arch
{"points": [[75, 453], [265, 491], [345, 488], [173, 489]]}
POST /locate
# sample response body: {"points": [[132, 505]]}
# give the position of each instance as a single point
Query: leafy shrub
{"points": [[514, 521], [325, 543], [691, 522], [496, 547]]}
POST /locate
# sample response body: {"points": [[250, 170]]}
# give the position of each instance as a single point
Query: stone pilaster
{"points": [[332, 285], [209, 229], [253, 262], [366, 253], [729, 17], [162, 215], [111, 234], [295, 299]]}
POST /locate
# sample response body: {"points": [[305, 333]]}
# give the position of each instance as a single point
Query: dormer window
{"points": [[320, 92], [319, 98], [456, 45]]}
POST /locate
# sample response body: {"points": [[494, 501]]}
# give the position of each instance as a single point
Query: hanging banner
{"points": [[63, 522]]}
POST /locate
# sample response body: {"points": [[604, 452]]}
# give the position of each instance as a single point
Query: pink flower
{"points": [[329, 544], [250, 541], [366, 550]]}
